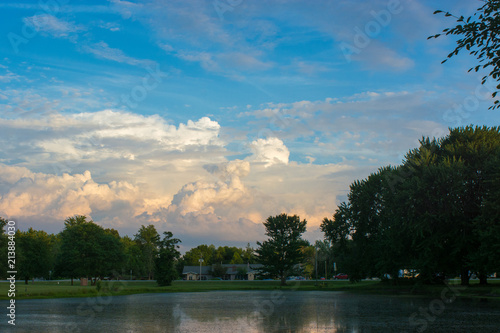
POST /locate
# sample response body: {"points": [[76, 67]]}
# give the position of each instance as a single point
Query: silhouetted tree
{"points": [[148, 240], [282, 250], [166, 260]]}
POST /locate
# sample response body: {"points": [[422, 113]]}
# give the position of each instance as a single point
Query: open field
{"points": [[61, 289]]}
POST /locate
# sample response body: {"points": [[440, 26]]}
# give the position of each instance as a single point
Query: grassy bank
{"points": [[54, 289]]}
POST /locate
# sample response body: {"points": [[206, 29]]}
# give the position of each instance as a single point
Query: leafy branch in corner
{"points": [[479, 36]]}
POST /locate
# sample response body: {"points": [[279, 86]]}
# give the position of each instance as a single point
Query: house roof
{"points": [[233, 269], [205, 270]]}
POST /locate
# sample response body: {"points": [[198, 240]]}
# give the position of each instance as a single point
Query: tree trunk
{"points": [[71, 281], [283, 280], [483, 279], [464, 277], [26, 280]]}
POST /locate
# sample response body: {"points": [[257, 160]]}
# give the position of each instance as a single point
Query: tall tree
{"points": [[34, 253], [479, 35], [88, 250], [432, 213], [113, 253], [166, 260], [362, 229], [133, 261], [68, 262], [437, 213], [282, 250], [148, 240]]}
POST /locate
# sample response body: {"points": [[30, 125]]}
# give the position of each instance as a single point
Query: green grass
{"points": [[53, 289]]}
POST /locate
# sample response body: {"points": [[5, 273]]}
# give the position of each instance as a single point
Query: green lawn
{"points": [[56, 289]]}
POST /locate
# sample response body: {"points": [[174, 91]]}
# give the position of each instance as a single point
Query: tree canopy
{"points": [[168, 255], [436, 214], [220, 255], [34, 256], [148, 240], [88, 250], [282, 250]]}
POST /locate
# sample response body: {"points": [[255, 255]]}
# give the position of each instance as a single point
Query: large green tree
{"points": [[34, 253], [149, 241], [437, 213], [68, 259], [88, 250], [362, 229], [133, 262], [432, 214], [478, 150], [282, 250], [479, 34], [454, 201], [168, 255]]}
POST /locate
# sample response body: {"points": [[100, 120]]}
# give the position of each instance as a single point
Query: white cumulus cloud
{"points": [[25, 193], [226, 192], [94, 137], [269, 151]]}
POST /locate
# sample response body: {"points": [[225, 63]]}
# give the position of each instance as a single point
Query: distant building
{"points": [[233, 271], [193, 272]]}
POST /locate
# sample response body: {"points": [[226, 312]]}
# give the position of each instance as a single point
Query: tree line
{"points": [[436, 215], [85, 249]]}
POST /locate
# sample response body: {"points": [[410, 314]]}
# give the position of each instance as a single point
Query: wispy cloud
{"points": [[111, 26], [103, 51], [8, 76], [224, 63], [377, 57], [52, 25], [309, 68], [384, 128]]}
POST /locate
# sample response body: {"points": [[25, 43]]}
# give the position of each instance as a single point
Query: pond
{"points": [[256, 311]]}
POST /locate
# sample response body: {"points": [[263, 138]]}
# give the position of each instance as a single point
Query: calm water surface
{"points": [[255, 311]]}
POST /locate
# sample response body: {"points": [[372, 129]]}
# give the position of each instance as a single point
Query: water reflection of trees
{"points": [[262, 311], [265, 312], [245, 312]]}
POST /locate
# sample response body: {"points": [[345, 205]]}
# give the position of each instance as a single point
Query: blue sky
{"points": [[206, 117]]}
